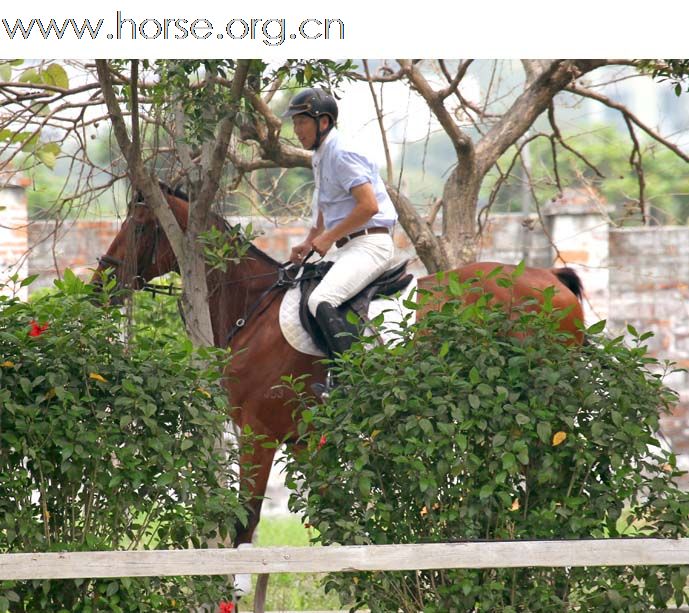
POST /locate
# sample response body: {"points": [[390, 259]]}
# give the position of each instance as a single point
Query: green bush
{"points": [[107, 444], [481, 427]]}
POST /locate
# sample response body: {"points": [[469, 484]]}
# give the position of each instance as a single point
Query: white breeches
{"points": [[357, 263]]}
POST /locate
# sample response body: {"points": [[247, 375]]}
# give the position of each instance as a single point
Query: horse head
{"points": [[140, 251]]}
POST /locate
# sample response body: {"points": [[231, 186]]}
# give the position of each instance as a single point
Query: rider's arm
{"points": [[365, 207], [315, 230]]}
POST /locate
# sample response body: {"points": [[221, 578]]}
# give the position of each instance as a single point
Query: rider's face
{"points": [[305, 129]]}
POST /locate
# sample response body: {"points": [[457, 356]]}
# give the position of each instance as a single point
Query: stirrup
{"points": [[322, 390]]}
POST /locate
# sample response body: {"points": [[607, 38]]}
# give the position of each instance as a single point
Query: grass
{"points": [[290, 591]]}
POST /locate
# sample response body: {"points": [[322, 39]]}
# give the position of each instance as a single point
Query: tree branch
{"points": [[527, 107], [587, 93], [138, 175], [280, 153], [635, 162], [453, 83], [558, 136], [379, 116], [198, 215], [462, 143], [427, 244]]}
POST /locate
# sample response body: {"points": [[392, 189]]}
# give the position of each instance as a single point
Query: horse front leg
{"points": [[254, 470]]}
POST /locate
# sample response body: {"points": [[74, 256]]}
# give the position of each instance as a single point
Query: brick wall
{"points": [[70, 244], [649, 289], [14, 240]]}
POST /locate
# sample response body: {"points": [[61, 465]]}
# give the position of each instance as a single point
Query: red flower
{"points": [[322, 442], [37, 329], [226, 607]]}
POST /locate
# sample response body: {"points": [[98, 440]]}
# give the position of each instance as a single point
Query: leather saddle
{"points": [[388, 284]]}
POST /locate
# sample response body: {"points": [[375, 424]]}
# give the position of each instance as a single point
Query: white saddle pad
{"points": [[393, 309]]}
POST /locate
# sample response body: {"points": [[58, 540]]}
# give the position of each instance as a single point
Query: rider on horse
{"points": [[351, 209]]}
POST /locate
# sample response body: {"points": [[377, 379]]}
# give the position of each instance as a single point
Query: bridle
{"points": [[144, 260]]}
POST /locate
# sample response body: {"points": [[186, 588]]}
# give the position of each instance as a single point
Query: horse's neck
{"points": [[233, 293]]}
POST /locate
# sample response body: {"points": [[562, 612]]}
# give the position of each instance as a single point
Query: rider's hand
{"points": [[299, 252], [322, 243]]}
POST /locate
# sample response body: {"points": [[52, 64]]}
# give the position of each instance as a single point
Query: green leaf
{"points": [[426, 426], [461, 441], [56, 75], [509, 461], [186, 444], [30, 75], [544, 430], [474, 401], [596, 328], [12, 596], [29, 280], [364, 485], [46, 157], [499, 439], [519, 269], [453, 284], [486, 491]]}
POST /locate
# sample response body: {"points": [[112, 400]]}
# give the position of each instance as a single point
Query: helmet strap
{"points": [[321, 134]]}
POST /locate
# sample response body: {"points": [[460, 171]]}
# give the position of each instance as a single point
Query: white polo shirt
{"points": [[337, 168]]}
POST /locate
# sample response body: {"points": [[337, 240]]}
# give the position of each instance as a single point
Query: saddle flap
{"points": [[387, 284]]}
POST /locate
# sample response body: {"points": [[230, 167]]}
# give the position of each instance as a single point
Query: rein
{"points": [[284, 280], [153, 288]]}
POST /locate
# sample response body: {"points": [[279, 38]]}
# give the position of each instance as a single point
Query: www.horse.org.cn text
{"points": [[271, 31]]}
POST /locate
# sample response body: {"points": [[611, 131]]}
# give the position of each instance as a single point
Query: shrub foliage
{"points": [[107, 444], [482, 426]]}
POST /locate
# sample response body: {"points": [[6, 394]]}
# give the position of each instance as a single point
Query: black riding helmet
{"points": [[315, 103]]}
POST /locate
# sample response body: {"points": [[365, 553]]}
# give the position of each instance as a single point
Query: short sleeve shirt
{"points": [[337, 169]]}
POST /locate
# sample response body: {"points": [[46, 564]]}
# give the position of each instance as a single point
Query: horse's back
{"points": [[528, 285]]}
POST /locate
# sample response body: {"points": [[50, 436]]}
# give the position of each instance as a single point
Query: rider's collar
{"points": [[332, 135]]}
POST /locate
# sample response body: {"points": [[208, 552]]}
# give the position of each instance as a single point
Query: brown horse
{"points": [[261, 356]]}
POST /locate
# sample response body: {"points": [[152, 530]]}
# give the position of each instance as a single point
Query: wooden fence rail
{"points": [[494, 554]]}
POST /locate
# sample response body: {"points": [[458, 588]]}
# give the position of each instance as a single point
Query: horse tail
{"points": [[571, 280]]}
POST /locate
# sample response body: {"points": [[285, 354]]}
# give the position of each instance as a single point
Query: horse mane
{"points": [[177, 192], [219, 221]]}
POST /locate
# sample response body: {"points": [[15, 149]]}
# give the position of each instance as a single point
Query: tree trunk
{"points": [[460, 198], [197, 317]]}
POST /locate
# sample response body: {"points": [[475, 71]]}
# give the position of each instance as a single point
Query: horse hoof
{"points": [[242, 581], [242, 585]]}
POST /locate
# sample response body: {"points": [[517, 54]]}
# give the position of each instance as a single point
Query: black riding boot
{"points": [[339, 335]]}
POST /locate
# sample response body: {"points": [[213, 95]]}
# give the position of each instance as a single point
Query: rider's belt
{"points": [[345, 239]]}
